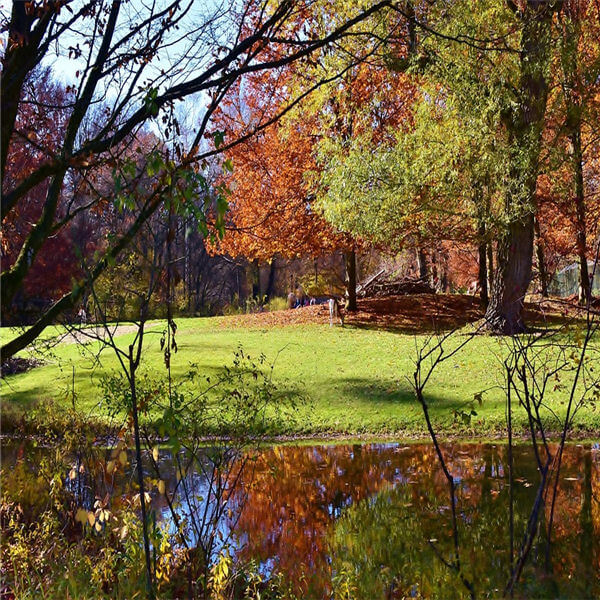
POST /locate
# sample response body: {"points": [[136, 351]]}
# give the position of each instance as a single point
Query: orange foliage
{"points": [[272, 201], [270, 209]]}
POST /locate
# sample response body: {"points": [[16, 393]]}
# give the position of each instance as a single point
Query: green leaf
{"points": [[219, 137]]}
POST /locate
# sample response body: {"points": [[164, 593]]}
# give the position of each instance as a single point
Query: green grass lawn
{"points": [[353, 380]]}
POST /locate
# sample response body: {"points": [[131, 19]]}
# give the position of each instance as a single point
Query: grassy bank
{"points": [[353, 380]]}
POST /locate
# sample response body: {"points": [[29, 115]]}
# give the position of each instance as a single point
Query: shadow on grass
{"points": [[16, 405], [385, 392]]}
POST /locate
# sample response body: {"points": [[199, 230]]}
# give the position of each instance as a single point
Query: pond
{"points": [[375, 519]]}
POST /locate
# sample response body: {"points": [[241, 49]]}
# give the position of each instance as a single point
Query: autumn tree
{"points": [[136, 61], [430, 181], [57, 262], [578, 108], [271, 207], [524, 121], [493, 60]]}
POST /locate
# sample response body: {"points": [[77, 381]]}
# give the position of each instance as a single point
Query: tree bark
{"points": [[271, 281], [434, 276], [524, 123], [350, 261], [490, 265], [512, 277], [421, 262], [255, 278], [585, 288]]}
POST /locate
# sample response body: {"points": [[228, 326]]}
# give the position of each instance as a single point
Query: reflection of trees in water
{"points": [[367, 512], [365, 515]]}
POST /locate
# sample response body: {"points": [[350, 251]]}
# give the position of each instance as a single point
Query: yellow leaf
{"points": [[155, 453], [98, 527], [123, 457], [161, 487], [110, 466], [72, 474], [91, 518], [81, 515], [124, 531]]}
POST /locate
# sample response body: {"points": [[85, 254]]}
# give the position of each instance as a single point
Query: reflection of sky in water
{"points": [[390, 467]]}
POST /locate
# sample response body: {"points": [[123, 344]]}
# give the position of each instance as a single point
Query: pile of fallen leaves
{"points": [[318, 313], [15, 365], [406, 313]]}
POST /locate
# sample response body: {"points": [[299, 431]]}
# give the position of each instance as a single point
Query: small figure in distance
{"points": [[473, 289], [291, 300], [335, 311], [300, 297], [82, 316]]}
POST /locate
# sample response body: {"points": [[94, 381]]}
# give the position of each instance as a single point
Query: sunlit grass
{"points": [[353, 381]]}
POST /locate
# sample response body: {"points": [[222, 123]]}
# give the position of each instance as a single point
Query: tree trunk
{"points": [[350, 262], [524, 123], [512, 277], [434, 278], [490, 265], [443, 270], [255, 278], [271, 280], [421, 262], [585, 289], [571, 84], [539, 250]]}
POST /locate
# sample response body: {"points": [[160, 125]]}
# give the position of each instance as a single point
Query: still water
{"points": [[375, 519]]}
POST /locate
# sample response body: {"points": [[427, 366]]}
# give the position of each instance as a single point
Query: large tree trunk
{"points": [[512, 277], [490, 265], [524, 123], [482, 275], [434, 276], [350, 261]]}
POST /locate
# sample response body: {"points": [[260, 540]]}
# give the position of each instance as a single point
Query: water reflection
{"points": [[374, 520], [375, 517]]}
